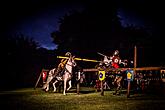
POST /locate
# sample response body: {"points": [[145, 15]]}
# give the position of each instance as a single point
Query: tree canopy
{"points": [[98, 29], [23, 60]]}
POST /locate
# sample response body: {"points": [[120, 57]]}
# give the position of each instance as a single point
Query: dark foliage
{"points": [[23, 61], [98, 29]]}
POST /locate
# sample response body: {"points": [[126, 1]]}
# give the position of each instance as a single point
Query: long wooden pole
{"points": [[135, 58], [81, 59], [134, 69], [38, 80], [137, 69]]}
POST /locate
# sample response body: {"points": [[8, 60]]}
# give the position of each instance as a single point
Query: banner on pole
{"points": [[44, 76], [130, 75], [101, 75]]}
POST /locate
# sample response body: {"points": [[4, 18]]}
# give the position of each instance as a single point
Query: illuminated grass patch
{"points": [[30, 99]]}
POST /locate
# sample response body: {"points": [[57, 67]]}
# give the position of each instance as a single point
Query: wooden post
{"points": [[78, 83], [102, 90], [128, 88], [38, 80], [78, 87], [134, 71], [135, 58]]}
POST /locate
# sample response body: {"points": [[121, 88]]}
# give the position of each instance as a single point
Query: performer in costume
{"points": [[115, 59], [61, 65], [118, 74]]}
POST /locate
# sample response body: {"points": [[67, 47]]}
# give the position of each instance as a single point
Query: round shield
{"points": [[116, 59]]}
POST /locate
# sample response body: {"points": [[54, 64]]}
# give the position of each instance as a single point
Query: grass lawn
{"points": [[30, 99]]}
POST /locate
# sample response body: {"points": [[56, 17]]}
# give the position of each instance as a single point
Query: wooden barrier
{"points": [[135, 69], [43, 70]]}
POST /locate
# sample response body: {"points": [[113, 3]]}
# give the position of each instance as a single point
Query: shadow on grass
{"points": [[83, 90]]}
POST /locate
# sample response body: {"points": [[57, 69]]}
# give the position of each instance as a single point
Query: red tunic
{"points": [[115, 62]]}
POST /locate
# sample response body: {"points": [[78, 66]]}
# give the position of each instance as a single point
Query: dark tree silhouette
{"points": [[98, 28], [23, 61], [90, 30]]}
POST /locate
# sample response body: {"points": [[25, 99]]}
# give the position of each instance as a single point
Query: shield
{"points": [[130, 75], [101, 75], [116, 59]]}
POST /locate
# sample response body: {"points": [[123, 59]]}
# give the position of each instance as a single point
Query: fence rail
{"points": [[136, 69]]}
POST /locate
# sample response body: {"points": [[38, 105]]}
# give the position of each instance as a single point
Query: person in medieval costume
{"points": [[117, 82], [116, 61], [61, 65]]}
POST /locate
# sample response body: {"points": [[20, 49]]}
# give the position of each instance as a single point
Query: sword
{"points": [[102, 55]]}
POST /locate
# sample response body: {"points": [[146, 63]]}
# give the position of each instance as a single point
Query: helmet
{"points": [[67, 54], [116, 52]]}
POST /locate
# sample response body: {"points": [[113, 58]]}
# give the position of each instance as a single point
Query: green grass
{"points": [[30, 99]]}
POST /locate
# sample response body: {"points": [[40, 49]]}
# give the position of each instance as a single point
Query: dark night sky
{"points": [[38, 18]]}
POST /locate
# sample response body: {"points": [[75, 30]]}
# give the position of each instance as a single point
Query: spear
{"points": [[79, 59]]}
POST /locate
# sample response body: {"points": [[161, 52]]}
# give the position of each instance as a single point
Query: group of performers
{"points": [[113, 61]]}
